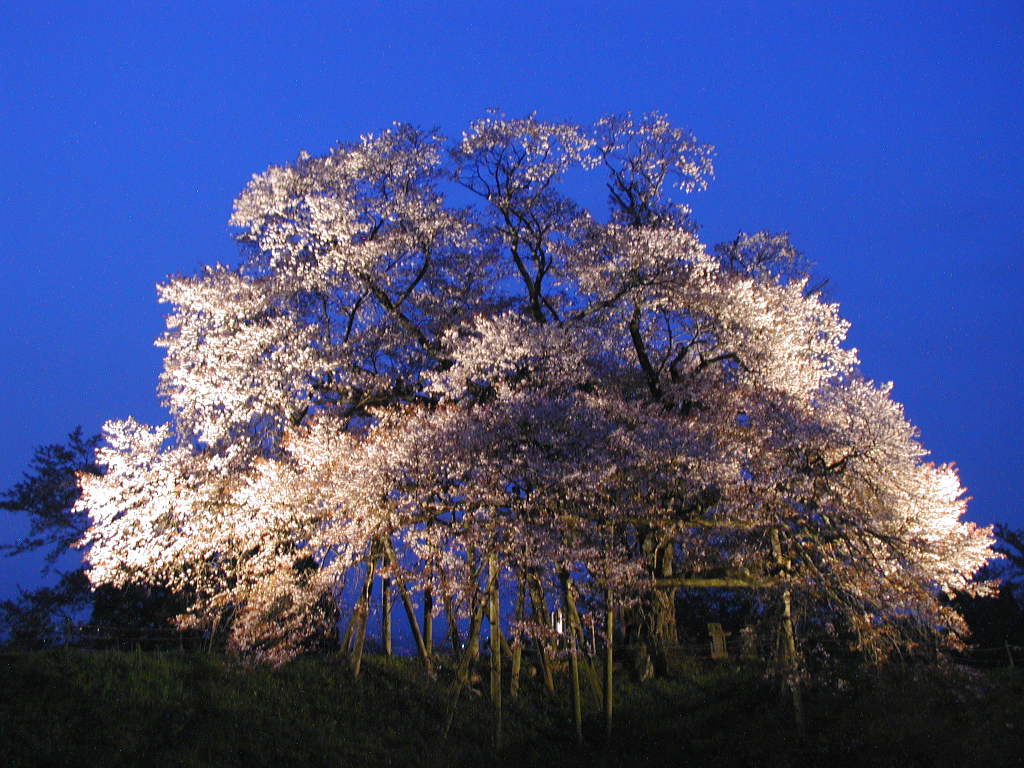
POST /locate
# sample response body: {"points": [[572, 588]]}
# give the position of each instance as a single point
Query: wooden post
{"points": [[577, 708], [494, 619], [719, 649], [749, 642], [609, 662]]}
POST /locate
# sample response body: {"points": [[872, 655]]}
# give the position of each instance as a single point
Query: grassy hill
{"points": [[109, 708]]}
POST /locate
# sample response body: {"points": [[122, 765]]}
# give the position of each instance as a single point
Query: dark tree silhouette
{"points": [[47, 493], [41, 617]]}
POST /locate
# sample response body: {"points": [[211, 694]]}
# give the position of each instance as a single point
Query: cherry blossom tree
{"points": [[585, 411]]}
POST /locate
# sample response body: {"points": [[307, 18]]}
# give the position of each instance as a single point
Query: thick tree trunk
{"points": [[650, 629], [668, 632], [663, 630]]}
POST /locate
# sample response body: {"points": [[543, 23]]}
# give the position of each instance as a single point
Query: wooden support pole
{"points": [[428, 620], [385, 619], [790, 661], [576, 626], [577, 706], [462, 670], [480, 602], [213, 632], [453, 627], [792, 665], [410, 614], [714, 582], [506, 649], [609, 663], [517, 640], [353, 622], [494, 619], [364, 611], [539, 615]]}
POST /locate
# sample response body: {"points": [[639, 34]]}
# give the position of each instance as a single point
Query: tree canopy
{"points": [[430, 357]]}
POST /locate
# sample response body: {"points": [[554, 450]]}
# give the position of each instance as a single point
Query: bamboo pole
{"points": [[577, 707]]}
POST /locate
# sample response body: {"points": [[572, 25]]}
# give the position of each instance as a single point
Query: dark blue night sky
{"points": [[885, 136]]}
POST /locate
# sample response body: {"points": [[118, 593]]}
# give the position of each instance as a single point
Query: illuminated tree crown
{"points": [[387, 377]]}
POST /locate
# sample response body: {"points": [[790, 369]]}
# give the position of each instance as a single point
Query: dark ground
{"points": [[75, 707]]}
